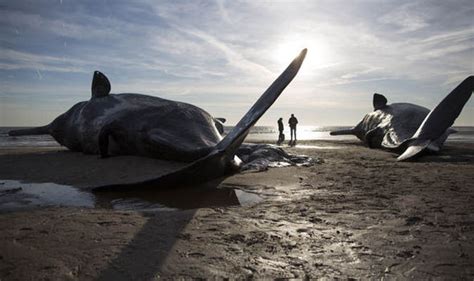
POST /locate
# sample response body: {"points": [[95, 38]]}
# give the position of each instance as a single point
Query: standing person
{"points": [[292, 122], [281, 136]]}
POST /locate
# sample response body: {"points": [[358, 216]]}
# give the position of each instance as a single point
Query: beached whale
{"points": [[144, 125], [133, 124], [411, 129]]}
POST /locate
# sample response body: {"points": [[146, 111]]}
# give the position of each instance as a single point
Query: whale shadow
{"points": [[145, 257], [451, 153]]}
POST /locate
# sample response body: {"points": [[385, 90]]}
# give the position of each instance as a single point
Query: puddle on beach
{"points": [[15, 195]]}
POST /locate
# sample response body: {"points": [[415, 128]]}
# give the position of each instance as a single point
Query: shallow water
{"points": [[257, 133], [15, 195]]}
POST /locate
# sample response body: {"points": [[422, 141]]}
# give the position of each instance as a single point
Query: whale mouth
{"points": [[16, 196]]}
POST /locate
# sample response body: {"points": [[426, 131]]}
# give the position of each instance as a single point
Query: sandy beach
{"points": [[359, 214]]}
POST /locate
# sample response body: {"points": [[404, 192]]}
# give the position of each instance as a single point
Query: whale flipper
{"points": [[438, 121], [100, 85], [221, 160], [105, 133]]}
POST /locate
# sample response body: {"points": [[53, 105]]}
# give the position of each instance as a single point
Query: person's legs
{"points": [[292, 132]]}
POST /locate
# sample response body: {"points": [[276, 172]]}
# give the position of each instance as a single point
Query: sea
{"points": [[257, 133]]}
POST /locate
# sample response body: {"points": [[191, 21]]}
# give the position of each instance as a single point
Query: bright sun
{"points": [[319, 52]]}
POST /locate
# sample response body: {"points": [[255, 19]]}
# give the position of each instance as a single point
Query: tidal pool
{"points": [[15, 195]]}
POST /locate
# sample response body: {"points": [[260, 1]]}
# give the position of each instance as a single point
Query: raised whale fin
{"points": [[379, 101], [221, 160], [438, 121], [100, 85]]}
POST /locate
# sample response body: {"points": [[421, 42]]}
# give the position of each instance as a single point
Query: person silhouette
{"points": [[292, 122], [281, 136]]}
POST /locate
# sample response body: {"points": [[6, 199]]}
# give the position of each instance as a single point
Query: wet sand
{"points": [[360, 214]]}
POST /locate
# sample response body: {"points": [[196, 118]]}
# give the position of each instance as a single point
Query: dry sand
{"points": [[360, 214]]}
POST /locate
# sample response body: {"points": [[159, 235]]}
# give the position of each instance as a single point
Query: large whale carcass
{"points": [[411, 129], [144, 125]]}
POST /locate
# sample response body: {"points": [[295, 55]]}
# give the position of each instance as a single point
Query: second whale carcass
{"points": [[411, 129]]}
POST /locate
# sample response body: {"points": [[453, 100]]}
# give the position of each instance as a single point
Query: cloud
{"points": [[204, 42], [234, 58], [223, 11], [14, 60], [405, 18], [38, 23], [456, 36], [443, 44]]}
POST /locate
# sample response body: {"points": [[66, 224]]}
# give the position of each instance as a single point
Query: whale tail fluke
{"points": [[221, 160], [438, 122], [43, 130]]}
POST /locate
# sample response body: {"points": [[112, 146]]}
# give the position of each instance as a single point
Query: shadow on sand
{"points": [[145, 256], [450, 153]]}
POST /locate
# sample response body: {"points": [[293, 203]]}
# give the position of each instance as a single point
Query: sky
{"points": [[222, 55]]}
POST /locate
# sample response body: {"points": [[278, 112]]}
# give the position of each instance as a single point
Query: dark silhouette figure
{"points": [[292, 122], [281, 136]]}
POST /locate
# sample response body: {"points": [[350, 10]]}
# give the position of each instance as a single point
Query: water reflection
{"points": [[15, 195], [182, 198]]}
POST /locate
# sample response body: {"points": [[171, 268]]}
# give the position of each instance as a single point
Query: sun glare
{"points": [[319, 54]]}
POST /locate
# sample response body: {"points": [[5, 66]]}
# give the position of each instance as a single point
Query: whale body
{"points": [[133, 124], [411, 129]]}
